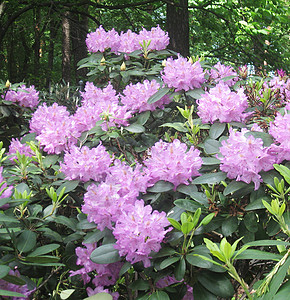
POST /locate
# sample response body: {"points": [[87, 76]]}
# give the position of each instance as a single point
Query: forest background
{"points": [[41, 42]]}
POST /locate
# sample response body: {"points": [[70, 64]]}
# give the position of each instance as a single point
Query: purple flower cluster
{"points": [[220, 103], [172, 162], [15, 146], [280, 130], [281, 86], [136, 96], [127, 42], [25, 96], [244, 157], [85, 164], [53, 127], [181, 74], [220, 71], [139, 231], [104, 203], [22, 289]]}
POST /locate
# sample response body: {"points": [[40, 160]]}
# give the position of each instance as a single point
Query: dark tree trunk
{"points": [[36, 45], [177, 20], [66, 54], [79, 31]]}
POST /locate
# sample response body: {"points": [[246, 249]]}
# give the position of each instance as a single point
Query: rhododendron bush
{"points": [[167, 179]]}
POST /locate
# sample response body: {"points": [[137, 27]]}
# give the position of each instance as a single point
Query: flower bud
{"points": [[103, 61], [243, 71], [190, 60], [123, 66], [164, 63], [7, 84]]}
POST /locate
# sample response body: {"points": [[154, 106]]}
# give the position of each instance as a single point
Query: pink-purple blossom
{"points": [[136, 96], [220, 71], [158, 38], [181, 74], [85, 164], [22, 289], [139, 231], [24, 96], [220, 103], [243, 157], [172, 162], [17, 146]]}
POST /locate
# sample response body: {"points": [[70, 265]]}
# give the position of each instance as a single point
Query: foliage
{"points": [[71, 237]]}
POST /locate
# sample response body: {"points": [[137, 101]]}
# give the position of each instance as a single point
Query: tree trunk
{"points": [[66, 55], [79, 31], [36, 45], [177, 20]]}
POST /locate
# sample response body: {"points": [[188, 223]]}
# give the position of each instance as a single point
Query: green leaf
{"points": [[14, 279], [251, 222], [140, 285], [26, 241], [143, 117], [284, 291], [200, 261], [44, 259], [105, 254], [208, 161], [10, 294], [284, 171], [187, 204], [161, 186], [68, 222], [126, 266], [174, 223], [177, 126], [135, 128], [159, 295], [65, 294], [267, 243], [266, 137], [100, 296], [4, 270], [187, 227], [44, 249], [211, 146], [258, 254], [168, 262], [68, 185], [218, 284], [200, 293], [257, 204], [50, 160], [157, 96], [4, 218], [196, 93], [216, 130], [234, 186], [180, 269], [207, 219], [229, 226], [210, 178]]}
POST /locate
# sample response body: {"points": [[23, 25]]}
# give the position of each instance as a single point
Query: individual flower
{"points": [[136, 96], [54, 128], [181, 74], [100, 40], [159, 39], [85, 164], [25, 96], [220, 71], [220, 103], [23, 149], [22, 289], [244, 156], [139, 231], [280, 130], [172, 162]]}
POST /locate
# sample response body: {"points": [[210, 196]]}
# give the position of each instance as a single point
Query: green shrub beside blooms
{"points": [[167, 180]]}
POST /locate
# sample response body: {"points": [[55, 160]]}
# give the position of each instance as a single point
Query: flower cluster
{"points": [[22, 289], [220, 71], [25, 96], [53, 127], [220, 103], [85, 164], [127, 42], [136, 96], [15, 146], [281, 86], [139, 231], [280, 130], [172, 162], [181, 74], [244, 157]]}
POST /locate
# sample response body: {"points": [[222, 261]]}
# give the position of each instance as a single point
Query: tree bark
{"points": [[177, 21], [66, 53], [36, 45]]}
